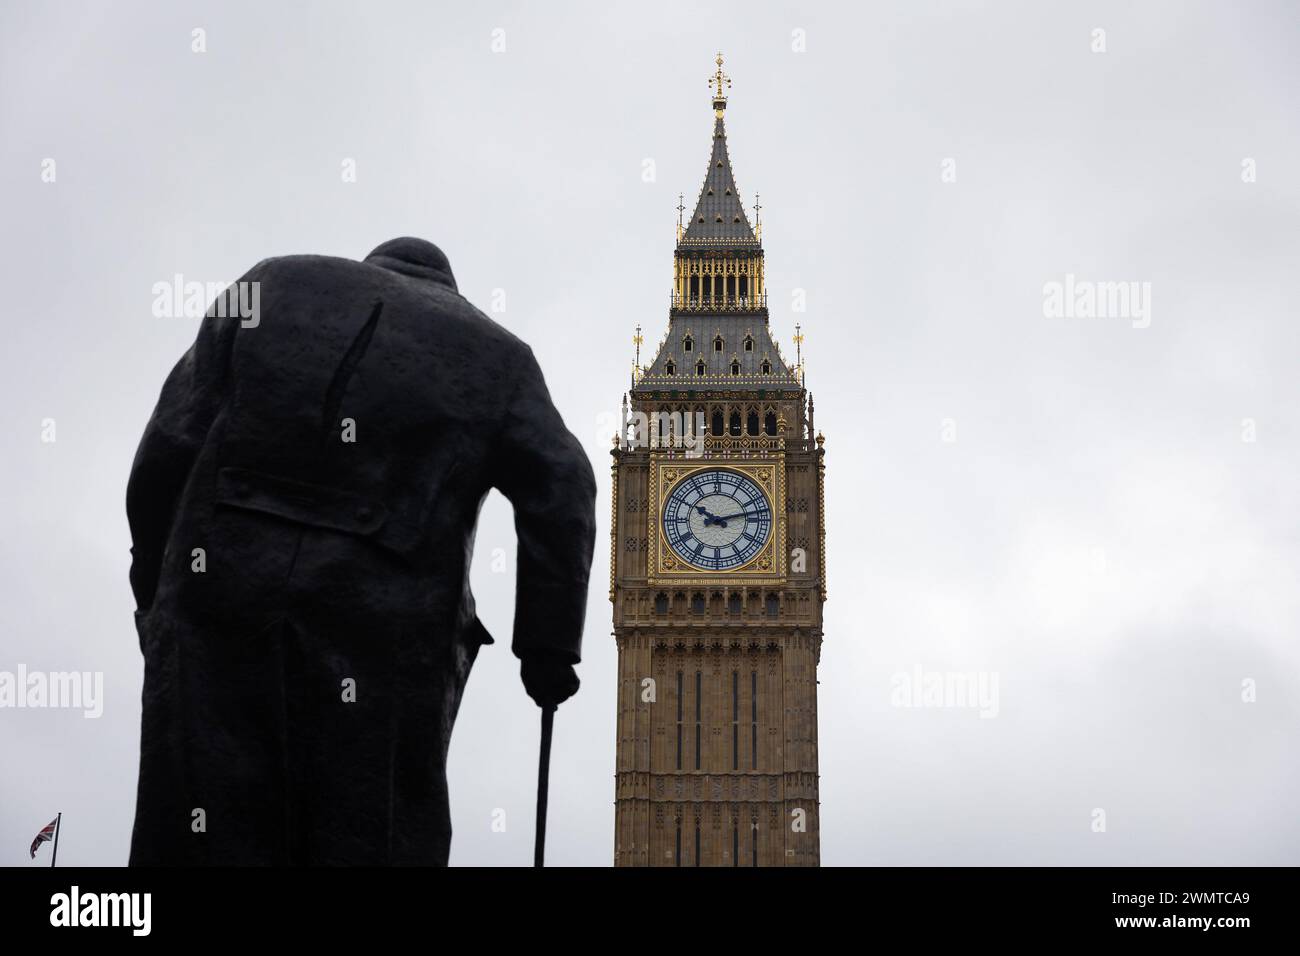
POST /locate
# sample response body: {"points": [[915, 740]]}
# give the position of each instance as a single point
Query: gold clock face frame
{"points": [[767, 565]]}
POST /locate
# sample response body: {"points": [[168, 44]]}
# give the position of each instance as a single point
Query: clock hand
{"points": [[721, 520], [709, 516]]}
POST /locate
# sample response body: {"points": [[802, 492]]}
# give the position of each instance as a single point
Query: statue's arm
{"points": [[544, 472], [190, 399]]}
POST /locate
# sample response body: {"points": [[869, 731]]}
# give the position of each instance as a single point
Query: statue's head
{"points": [[414, 257]]}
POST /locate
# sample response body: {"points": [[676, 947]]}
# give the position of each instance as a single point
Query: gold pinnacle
{"points": [[718, 79]]}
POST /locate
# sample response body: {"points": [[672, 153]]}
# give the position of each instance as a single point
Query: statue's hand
{"points": [[549, 680]]}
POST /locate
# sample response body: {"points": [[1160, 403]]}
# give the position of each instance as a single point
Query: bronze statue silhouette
{"points": [[302, 509]]}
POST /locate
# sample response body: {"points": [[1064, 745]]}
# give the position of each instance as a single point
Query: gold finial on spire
{"points": [[681, 208], [636, 365], [758, 222], [716, 83], [798, 350]]}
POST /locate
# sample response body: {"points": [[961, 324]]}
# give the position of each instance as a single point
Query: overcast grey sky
{"points": [[1071, 504]]}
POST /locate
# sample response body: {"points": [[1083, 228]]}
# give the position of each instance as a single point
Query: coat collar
{"points": [[417, 258]]}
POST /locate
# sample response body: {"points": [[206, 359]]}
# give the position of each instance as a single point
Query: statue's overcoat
{"points": [[302, 509]]}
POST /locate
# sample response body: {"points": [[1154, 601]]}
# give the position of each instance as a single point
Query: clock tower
{"points": [[717, 563]]}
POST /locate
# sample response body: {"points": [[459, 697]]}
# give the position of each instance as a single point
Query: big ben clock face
{"points": [[717, 520]]}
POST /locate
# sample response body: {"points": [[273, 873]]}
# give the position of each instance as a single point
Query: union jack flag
{"points": [[44, 836]]}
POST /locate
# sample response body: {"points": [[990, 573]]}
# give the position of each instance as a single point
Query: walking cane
{"points": [[543, 776]]}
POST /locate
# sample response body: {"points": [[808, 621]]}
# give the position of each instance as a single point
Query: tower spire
{"points": [[719, 220]]}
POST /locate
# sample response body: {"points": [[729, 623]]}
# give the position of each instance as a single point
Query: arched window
{"points": [[699, 367], [773, 605], [751, 423], [735, 367], [717, 344], [735, 423], [767, 367], [769, 423], [749, 343], [718, 427], [670, 368], [733, 604], [661, 603], [687, 344], [697, 603]]}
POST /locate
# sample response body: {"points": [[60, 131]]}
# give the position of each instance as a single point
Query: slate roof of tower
{"points": [[719, 219], [702, 328]]}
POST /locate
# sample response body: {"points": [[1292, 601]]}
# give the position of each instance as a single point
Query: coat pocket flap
{"points": [[317, 505]]}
